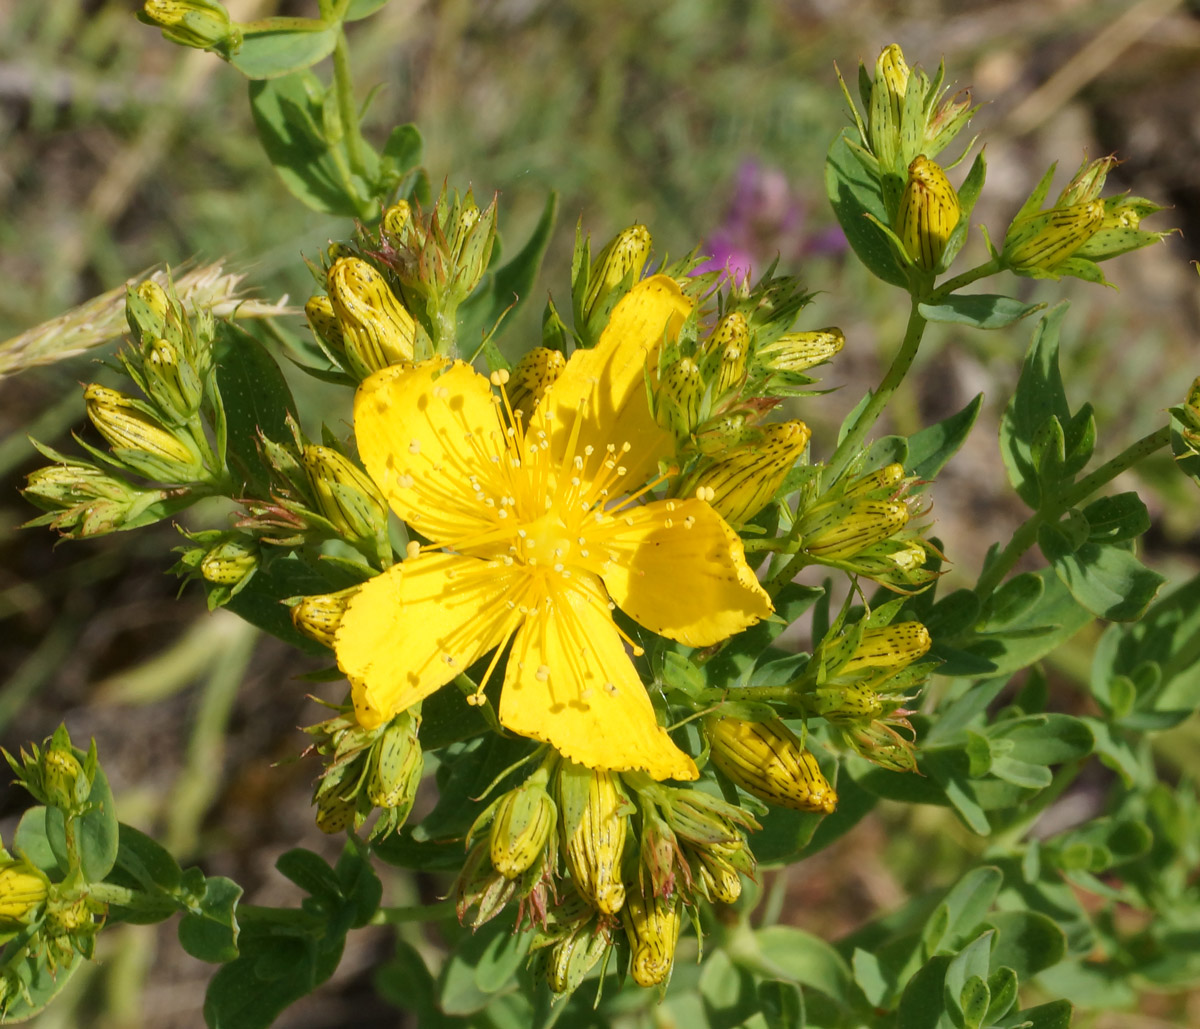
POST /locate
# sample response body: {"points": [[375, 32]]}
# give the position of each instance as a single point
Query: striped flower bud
{"points": [[377, 329], [886, 108], [335, 813], [23, 890], [318, 312], [652, 926], [531, 376], [396, 219], [677, 399], [727, 351], [799, 351], [890, 558], [571, 958], [344, 493], [718, 434], [64, 782], [521, 827], [623, 257], [594, 826], [720, 880], [318, 616], [1041, 241], [172, 380], [846, 703], [767, 760], [396, 764], [133, 432], [843, 529], [745, 481], [230, 562], [893, 647], [147, 313], [883, 482], [201, 24], [1087, 183], [929, 211]]}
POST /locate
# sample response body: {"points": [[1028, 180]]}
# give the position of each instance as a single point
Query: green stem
{"points": [[851, 444], [347, 109], [965, 279], [1026, 534]]}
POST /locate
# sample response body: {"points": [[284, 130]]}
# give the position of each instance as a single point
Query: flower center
{"points": [[545, 542]]}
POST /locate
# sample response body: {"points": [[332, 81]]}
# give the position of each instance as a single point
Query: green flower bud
{"points": [[531, 376], [929, 211], [377, 329], [344, 493], [335, 814], [172, 380], [1044, 240], [139, 437], [572, 957], [846, 703], [886, 109], [677, 400], [767, 760], [318, 311], [396, 219], [652, 926], [799, 351], [594, 826], [396, 766], [521, 827], [201, 24], [727, 352], [720, 880], [231, 562], [1087, 183], [843, 529], [891, 647], [621, 261], [318, 616], [743, 482]]}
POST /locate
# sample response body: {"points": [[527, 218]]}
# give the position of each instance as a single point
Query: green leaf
{"points": [[405, 982], [260, 602], [854, 195], [32, 840], [41, 983], [932, 447], [310, 872], [1002, 988], [145, 861], [402, 151], [358, 883], [209, 932], [1046, 739], [362, 9], [1055, 1015], [923, 1000], [257, 400], [980, 310], [1117, 519], [275, 47], [781, 1004], [288, 113], [1107, 580], [969, 963], [479, 965], [807, 959], [1012, 600], [1039, 396]]}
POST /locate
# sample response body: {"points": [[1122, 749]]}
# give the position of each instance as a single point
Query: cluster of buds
{"points": [[161, 438], [225, 560], [367, 769], [318, 492], [862, 525], [200, 24], [1078, 230], [768, 761], [859, 682], [585, 853], [54, 774]]}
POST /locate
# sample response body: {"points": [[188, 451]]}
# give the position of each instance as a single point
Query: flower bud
{"points": [[396, 765], [846, 703], [23, 890], [172, 380], [894, 647], [798, 351], [886, 109], [148, 314], [843, 529], [65, 784], [318, 616], [318, 311], [230, 563], [881, 483], [652, 925], [929, 211], [531, 376], [727, 351], [576, 954], [201, 24], [134, 433], [335, 813], [677, 400], [377, 329], [396, 219], [594, 828], [344, 493], [521, 826], [767, 760], [721, 881], [1044, 240], [1087, 183], [746, 480], [623, 258]]}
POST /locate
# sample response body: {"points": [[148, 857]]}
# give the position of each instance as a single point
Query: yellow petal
{"points": [[680, 571], [571, 684], [423, 431], [418, 625], [606, 385]]}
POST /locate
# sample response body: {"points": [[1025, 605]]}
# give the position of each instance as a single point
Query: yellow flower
{"points": [[534, 534]]}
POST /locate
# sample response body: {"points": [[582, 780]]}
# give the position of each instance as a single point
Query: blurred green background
{"points": [[700, 118]]}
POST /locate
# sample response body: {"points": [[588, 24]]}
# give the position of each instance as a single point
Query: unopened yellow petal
{"points": [[418, 625], [606, 385], [571, 684], [423, 432], [678, 569]]}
